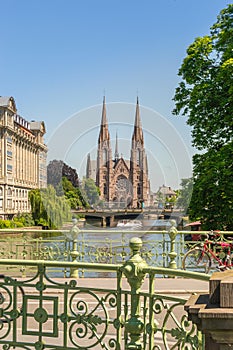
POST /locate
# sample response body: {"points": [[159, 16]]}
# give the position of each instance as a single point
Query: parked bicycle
{"points": [[205, 254]]}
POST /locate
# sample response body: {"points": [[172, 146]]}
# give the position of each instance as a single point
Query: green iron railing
{"points": [[43, 312], [160, 248]]}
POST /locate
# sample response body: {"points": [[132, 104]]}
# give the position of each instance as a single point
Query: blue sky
{"points": [[58, 57]]}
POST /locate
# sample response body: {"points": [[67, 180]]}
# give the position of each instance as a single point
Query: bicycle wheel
{"points": [[196, 260]]}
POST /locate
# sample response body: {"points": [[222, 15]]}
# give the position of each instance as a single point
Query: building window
{"points": [[122, 185], [9, 154], [9, 191], [1, 203], [9, 140], [9, 168], [1, 191]]}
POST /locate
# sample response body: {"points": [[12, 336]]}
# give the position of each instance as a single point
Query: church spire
{"points": [[104, 114], [88, 168], [104, 167], [104, 133], [137, 133], [116, 149]]}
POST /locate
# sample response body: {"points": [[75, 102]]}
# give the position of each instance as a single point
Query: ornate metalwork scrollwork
{"points": [[170, 330]]}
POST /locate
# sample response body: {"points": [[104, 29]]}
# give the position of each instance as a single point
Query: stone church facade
{"points": [[124, 183]]}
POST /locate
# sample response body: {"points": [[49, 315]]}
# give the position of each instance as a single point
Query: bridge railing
{"points": [[160, 248], [44, 312]]}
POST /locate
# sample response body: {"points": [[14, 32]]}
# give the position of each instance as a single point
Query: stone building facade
{"points": [[23, 156], [122, 183]]}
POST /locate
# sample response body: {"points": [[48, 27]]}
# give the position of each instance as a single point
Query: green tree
{"points": [[212, 194], [66, 182], [205, 96], [185, 194], [73, 194], [57, 169], [172, 200], [90, 191], [25, 218], [48, 208]]}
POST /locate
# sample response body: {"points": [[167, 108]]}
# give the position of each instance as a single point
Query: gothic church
{"points": [[124, 183]]}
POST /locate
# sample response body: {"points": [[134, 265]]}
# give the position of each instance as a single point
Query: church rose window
{"points": [[122, 184]]}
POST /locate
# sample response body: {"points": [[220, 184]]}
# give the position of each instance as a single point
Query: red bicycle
{"points": [[207, 253]]}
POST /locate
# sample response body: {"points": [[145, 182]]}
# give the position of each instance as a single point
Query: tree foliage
{"points": [[90, 191], [73, 194], [65, 180], [25, 219], [48, 209], [57, 169], [205, 93], [205, 96], [212, 199], [185, 194]]}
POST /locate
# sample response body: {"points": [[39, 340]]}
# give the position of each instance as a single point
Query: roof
{"points": [[195, 223], [166, 190], [119, 164], [4, 100], [127, 162], [37, 126], [9, 102]]}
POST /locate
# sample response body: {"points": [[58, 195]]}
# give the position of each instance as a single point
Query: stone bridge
{"points": [[109, 217]]}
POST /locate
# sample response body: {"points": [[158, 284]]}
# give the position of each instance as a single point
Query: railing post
{"points": [[173, 254], [133, 270], [74, 253]]}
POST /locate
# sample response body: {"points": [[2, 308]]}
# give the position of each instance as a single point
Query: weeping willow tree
{"points": [[48, 209]]}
